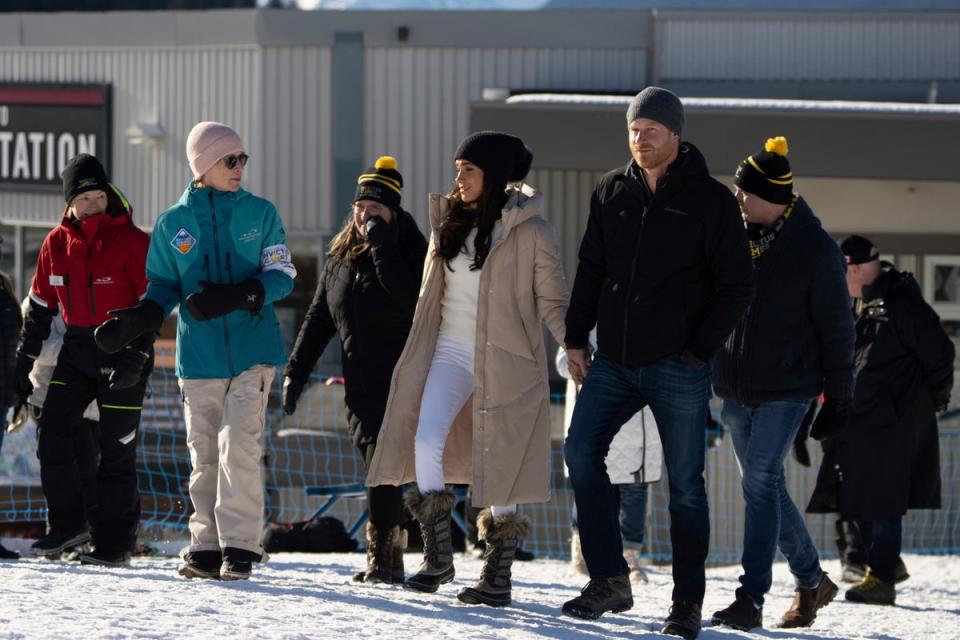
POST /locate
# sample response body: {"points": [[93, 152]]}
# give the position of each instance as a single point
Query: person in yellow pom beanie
{"points": [[367, 295], [794, 343]]}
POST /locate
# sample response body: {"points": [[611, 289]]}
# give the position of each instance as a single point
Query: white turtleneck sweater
{"points": [[462, 286]]}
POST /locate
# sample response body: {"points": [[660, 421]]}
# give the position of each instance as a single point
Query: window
{"points": [[941, 284]]}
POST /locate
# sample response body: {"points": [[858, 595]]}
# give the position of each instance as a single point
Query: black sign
{"points": [[42, 126]]}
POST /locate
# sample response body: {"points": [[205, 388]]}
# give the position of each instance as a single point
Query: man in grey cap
{"points": [[665, 274]]}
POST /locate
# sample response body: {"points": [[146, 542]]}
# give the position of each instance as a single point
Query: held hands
{"points": [[578, 362], [291, 393]]}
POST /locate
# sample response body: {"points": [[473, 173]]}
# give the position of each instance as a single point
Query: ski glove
{"points": [[216, 300], [292, 389], [23, 388], [831, 420], [126, 325], [128, 368]]}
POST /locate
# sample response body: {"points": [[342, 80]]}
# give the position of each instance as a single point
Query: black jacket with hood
{"points": [[369, 302]]}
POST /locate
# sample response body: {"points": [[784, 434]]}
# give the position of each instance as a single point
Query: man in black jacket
{"points": [[795, 341], [884, 459], [665, 275]]}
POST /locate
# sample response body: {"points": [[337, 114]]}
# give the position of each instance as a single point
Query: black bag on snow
{"points": [[316, 535]]}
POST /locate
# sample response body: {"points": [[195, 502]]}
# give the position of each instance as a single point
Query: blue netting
{"points": [[312, 449]]}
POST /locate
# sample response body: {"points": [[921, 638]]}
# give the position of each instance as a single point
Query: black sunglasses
{"points": [[232, 160]]}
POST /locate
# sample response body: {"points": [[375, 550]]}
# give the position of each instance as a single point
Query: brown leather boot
{"points": [[432, 510], [806, 603], [501, 535], [381, 547]]}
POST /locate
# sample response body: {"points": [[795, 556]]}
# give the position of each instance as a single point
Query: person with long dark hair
{"points": [[469, 398], [367, 295]]}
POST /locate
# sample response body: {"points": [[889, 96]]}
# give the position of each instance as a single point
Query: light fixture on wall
{"points": [[145, 133]]}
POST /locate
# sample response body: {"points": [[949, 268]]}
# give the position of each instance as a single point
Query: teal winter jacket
{"points": [[222, 237]]}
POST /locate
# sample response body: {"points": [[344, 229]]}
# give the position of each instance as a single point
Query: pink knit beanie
{"points": [[207, 143]]}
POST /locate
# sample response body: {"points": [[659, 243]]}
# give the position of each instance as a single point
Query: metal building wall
{"points": [[783, 46], [277, 99], [418, 99]]}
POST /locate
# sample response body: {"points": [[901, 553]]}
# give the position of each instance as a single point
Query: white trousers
{"points": [[449, 385]]}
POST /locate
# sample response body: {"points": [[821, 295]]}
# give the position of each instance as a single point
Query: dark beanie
{"points": [[767, 173], [502, 157], [83, 173], [660, 105], [381, 182], [859, 250]]}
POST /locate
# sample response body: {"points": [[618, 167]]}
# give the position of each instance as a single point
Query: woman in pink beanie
{"points": [[220, 253]]}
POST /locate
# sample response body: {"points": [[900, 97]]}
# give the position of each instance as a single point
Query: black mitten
{"points": [[216, 300], [126, 325]]}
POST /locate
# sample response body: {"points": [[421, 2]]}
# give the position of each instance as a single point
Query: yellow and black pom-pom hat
{"points": [[381, 182], [767, 173]]}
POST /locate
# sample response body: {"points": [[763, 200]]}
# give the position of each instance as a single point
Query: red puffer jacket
{"points": [[88, 268]]}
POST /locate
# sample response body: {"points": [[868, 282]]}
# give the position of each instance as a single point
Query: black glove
{"points": [[126, 325], [22, 386], [21, 412], [831, 420], [216, 300], [127, 368], [292, 389], [377, 230], [692, 361]]}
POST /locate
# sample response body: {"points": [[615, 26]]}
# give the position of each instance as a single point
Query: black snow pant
{"points": [[79, 378], [384, 502]]}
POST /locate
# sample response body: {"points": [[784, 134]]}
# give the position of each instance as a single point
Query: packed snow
{"points": [[312, 596]]}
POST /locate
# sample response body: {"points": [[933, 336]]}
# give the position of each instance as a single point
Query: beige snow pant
{"points": [[225, 419]]}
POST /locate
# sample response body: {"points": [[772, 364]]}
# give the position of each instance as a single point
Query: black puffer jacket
{"points": [[660, 273], [370, 303], [796, 339], [887, 460], [10, 323]]}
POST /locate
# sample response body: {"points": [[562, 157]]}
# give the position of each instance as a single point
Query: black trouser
{"points": [[86, 445], [384, 502], [851, 541], [79, 378]]}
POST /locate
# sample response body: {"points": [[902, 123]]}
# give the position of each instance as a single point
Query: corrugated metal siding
{"points": [[180, 87], [297, 171], [567, 205], [816, 48], [418, 99]]}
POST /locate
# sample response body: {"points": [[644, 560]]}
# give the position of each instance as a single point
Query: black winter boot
{"points": [[201, 564], [385, 549], [432, 510], [599, 596], [238, 563], [501, 535]]}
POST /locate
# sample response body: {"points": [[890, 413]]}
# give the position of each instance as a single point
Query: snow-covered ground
{"points": [[311, 596]]}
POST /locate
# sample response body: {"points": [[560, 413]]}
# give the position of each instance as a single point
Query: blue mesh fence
{"points": [[312, 449]]}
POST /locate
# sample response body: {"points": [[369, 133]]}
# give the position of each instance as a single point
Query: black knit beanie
{"points": [[83, 173], [502, 157], [767, 173], [659, 105], [381, 182]]}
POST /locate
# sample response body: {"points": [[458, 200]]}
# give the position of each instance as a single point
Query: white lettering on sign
{"points": [[4, 115], [38, 155]]}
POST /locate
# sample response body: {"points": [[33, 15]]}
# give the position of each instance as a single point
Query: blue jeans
{"points": [[633, 513], [762, 437], [678, 397], [883, 546]]}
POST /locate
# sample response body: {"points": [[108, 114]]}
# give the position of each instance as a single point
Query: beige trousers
{"points": [[225, 419]]}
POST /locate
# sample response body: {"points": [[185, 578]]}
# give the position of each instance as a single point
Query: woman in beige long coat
{"points": [[469, 398]]}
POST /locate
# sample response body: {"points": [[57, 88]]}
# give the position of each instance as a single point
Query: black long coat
{"points": [[887, 459], [369, 302]]}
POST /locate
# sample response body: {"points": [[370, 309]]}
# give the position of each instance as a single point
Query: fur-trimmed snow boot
{"points": [[501, 535], [385, 549], [432, 510]]}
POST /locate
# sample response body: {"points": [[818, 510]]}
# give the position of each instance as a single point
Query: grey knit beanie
{"points": [[657, 104]]}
